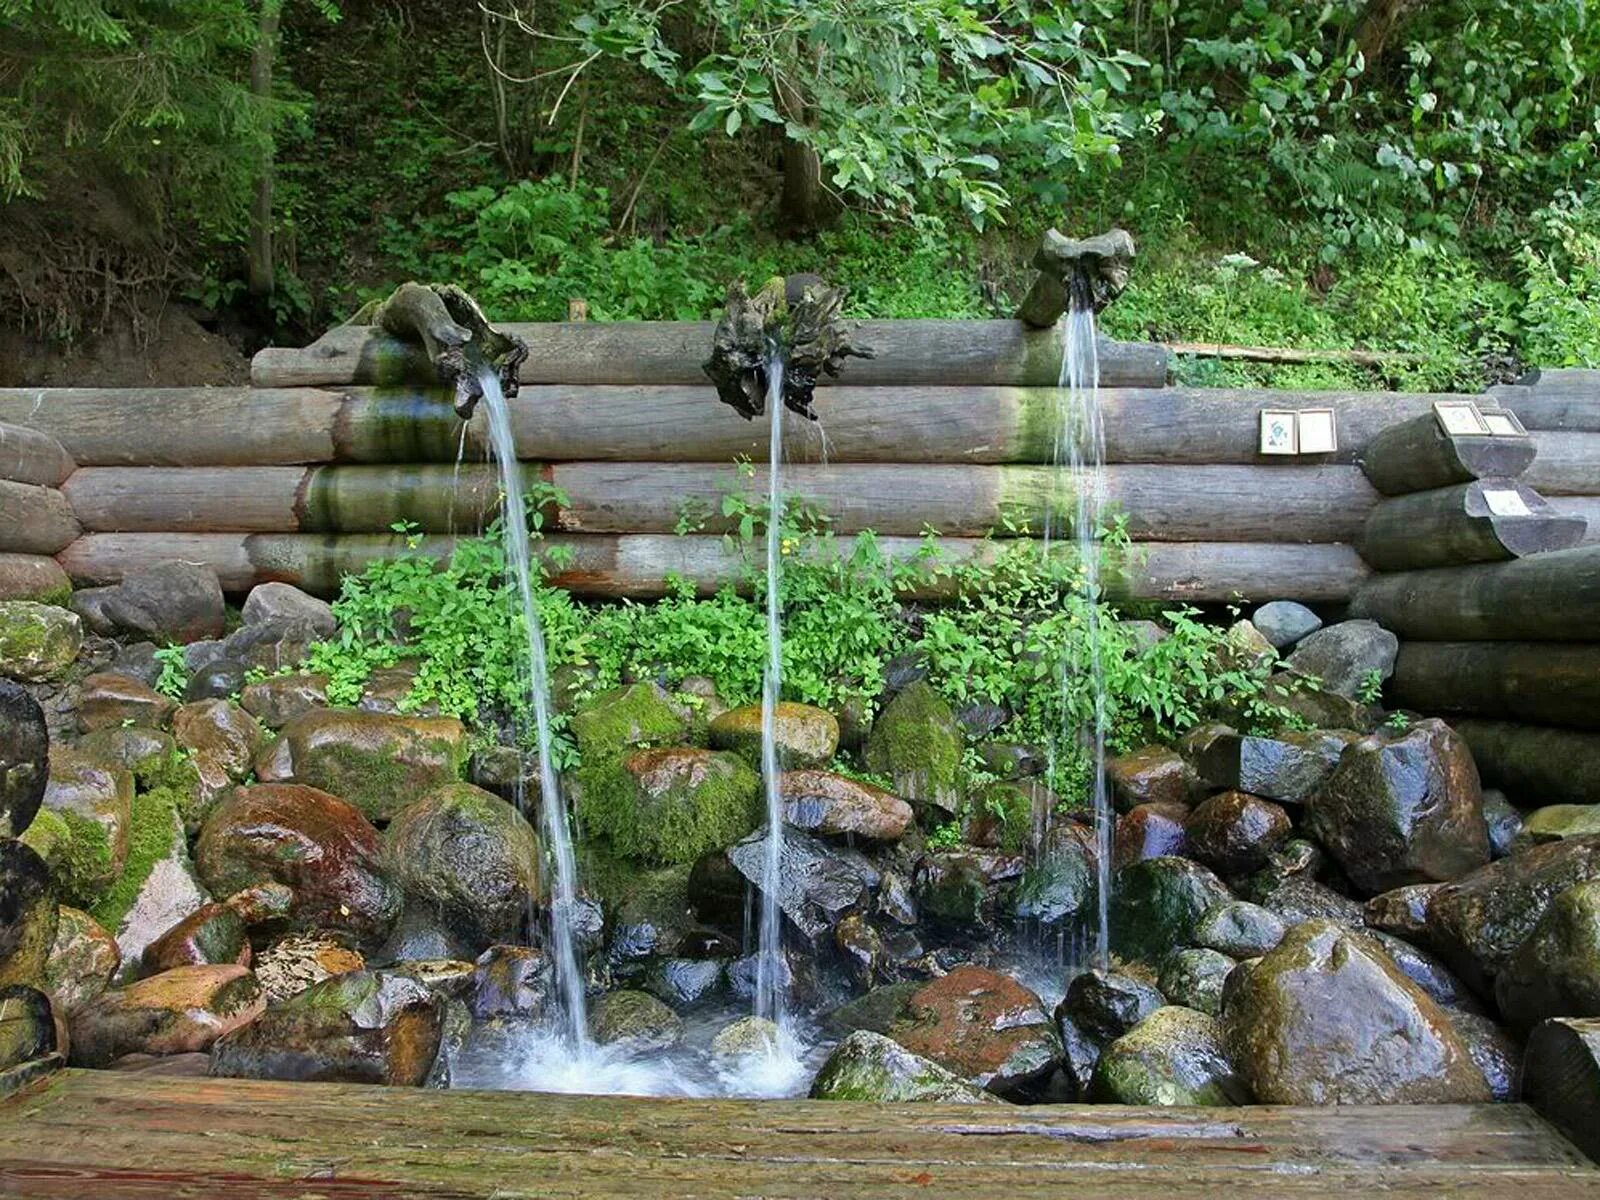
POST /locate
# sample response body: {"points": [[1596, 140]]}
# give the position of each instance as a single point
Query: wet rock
{"points": [[640, 714], [1080, 1050], [804, 736], [28, 1027], [292, 964], [158, 887], [468, 866], [1493, 1051], [1503, 821], [1403, 910], [275, 603], [868, 1066], [38, 642], [83, 959], [28, 913], [212, 934], [818, 882], [450, 978], [1297, 856], [1152, 775], [1156, 905], [111, 700], [917, 742], [981, 718], [1174, 1056], [509, 772], [1300, 898], [177, 1012], [1405, 809], [138, 661], [687, 983], [512, 981], [1245, 648], [310, 841], [1150, 831], [388, 690], [1558, 822], [1059, 885], [1233, 833], [279, 699], [222, 740], [795, 977], [1327, 1018], [1012, 760], [362, 1027], [963, 889], [1194, 978], [163, 602], [743, 1040], [671, 805], [876, 1012], [1283, 622], [1288, 768], [860, 949], [1442, 984], [1556, 970], [1239, 929], [830, 805], [1106, 1005], [82, 830], [896, 902], [375, 762], [1561, 1078], [24, 758], [1346, 656], [263, 904], [217, 680], [636, 1021], [985, 1027]]}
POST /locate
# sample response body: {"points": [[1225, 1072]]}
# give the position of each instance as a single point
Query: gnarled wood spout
{"points": [[1096, 268]]}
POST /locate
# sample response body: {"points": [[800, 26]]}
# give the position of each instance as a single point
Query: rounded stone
{"points": [[832, 805], [1195, 978], [984, 1027], [1106, 1005], [636, 1021], [1175, 1056], [1156, 905], [804, 736], [24, 758], [869, 1067], [1234, 832], [176, 1012], [38, 642], [1239, 929], [1556, 971]]}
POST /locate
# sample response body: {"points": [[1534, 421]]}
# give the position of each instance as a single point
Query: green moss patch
{"points": [[669, 807], [153, 835]]}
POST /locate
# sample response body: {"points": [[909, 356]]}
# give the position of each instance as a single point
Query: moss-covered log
{"points": [[1549, 683], [1535, 764], [1488, 520], [1417, 455]]}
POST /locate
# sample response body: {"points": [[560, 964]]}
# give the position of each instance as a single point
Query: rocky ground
{"points": [[299, 891]]}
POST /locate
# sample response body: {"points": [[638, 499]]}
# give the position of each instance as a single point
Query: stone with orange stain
{"points": [[176, 1012]]}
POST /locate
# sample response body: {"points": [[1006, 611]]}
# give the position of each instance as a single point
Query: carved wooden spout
{"points": [[1092, 271]]}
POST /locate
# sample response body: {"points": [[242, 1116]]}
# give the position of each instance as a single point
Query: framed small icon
{"points": [[1279, 431], [1502, 423], [1316, 431], [1460, 418]]}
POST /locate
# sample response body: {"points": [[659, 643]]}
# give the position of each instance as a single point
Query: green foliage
{"points": [[174, 678]]}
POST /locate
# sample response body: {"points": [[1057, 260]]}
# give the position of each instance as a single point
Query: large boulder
{"points": [[802, 735], [1151, 775], [868, 1066], [29, 1032], [29, 914], [293, 963], [818, 882], [360, 1027], [963, 890], [1154, 830], [276, 603], [310, 841], [83, 961], [830, 805], [917, 742], [636, 1022], [1156, 905], [1234, 832], [107, 701], [177, 1012], [84, 827], [1239, 929], [158, 886], [279, 699], [984, 1027], [1403, 809], [162, 602], [1327, 1018], [468, 866], [213, 933], [37, 641], [1174, 1056], [222, 740], [24, 758], [1106, 1005], [1287, 767], [1346, 657], [638, 714], [670, 805], [376, 762], [1195, 978], [1556, 970]]}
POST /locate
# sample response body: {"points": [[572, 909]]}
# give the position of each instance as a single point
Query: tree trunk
{"points": [[1376, 26], [262, 275], [802, 207]]}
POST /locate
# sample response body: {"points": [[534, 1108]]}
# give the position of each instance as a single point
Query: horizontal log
{"points": [[1565, 399], [1159, 503], [638, 565], [32, 577], [1416, 455], [1561, 1075], [666, 352], [34, 519], [1468, 523], [677, 423], [1545, 597], [30, 456], [1587, 507], [1568, 464], [1535, 764], [1550, 683]]}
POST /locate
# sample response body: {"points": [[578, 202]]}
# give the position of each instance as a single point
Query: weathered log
{"points": [[34, 519], [637, 565], [1535, 764], [1568, 398], [1561, 1077], [1294, 354], [1417, 455], [30, 456], [32, 577], [1568, 464], [1461, 524], [1005, 353], [1096, 269], [1159, 503], [1550, 683], [1545, 597], [1587, 507]]}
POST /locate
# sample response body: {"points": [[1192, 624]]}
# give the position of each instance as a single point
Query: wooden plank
{"points": [[961, 352], [34, 519], [1535, 764], [1160, 503], [638, 565], [1550, 683], [111, 1135], [1568, 464], [29, 456], [1545, 597], [1468, 523]]}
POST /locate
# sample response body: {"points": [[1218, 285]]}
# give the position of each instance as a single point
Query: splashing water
{"points": [[552, 806]]}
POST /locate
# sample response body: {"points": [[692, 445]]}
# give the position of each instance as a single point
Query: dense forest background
{"points": [[1388, 174]]}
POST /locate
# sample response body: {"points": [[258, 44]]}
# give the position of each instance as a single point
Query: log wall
{"points": [[36, 519]]}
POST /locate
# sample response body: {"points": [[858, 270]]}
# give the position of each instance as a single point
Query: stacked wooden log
{"points": [[36, 520], [1494, 589]]}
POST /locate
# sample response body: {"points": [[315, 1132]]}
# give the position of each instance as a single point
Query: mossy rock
{"points": [[37, 641], [1175, 1056], [639, 714], [917, 742], [83, 830], [669, 806], [803, 736], [1157, 904], [31, 914]]}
